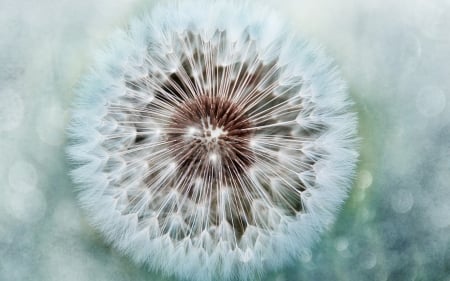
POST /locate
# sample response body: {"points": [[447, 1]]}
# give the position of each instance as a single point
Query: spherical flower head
{"points": [[210, 142]]}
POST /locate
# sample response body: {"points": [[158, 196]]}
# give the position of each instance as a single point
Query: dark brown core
{"points": [[210, 136]]}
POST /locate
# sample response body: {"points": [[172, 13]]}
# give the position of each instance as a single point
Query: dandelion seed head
{"points": [[210, 144]]}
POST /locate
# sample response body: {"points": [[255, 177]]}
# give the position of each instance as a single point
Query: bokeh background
{"points": [[395, 56]]}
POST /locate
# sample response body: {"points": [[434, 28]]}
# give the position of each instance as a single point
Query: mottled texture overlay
{"points": [[392, 54]]}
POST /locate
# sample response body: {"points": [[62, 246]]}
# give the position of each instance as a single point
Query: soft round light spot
{"points": [[50, 124], [366, 214], [341, 244], [61, 266], [360, 196], [25, 205], [191, 131], [365, 179], [430, 101], [172, 166], [213, 157], [368, 260], [402, 201], [280, 277], [11, 110], [22, 176]]}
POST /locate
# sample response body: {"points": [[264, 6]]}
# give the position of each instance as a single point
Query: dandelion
{"points": [[210, 142]]}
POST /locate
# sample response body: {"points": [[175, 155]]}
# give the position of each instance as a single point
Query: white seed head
{"points": [[211, 144]]}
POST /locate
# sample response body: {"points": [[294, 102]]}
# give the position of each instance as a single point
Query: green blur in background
{"points": [[395, 57]]}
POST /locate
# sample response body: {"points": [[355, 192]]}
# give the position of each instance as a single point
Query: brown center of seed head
{"points": [[209, 138]]}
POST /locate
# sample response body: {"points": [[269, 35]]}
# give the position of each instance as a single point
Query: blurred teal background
{"points": [[395, 56]]}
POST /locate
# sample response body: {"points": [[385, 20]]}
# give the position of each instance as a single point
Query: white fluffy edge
{"points": [[328, 93]]}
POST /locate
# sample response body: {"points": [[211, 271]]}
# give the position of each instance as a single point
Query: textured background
{"points": [[395, 56]]}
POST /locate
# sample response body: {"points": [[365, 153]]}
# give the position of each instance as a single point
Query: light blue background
{"points": [[395, 56]]}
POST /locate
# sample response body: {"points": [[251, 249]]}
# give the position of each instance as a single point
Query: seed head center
{"points": [[211, 135], [206, 133]]}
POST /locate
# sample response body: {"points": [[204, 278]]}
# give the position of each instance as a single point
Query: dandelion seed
{"points": [[211, 144]]}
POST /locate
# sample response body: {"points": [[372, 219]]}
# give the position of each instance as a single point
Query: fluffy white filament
{"points": [[211, 143]]}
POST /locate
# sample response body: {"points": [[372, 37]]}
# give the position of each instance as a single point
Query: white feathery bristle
{"points": [[211, 142]]}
